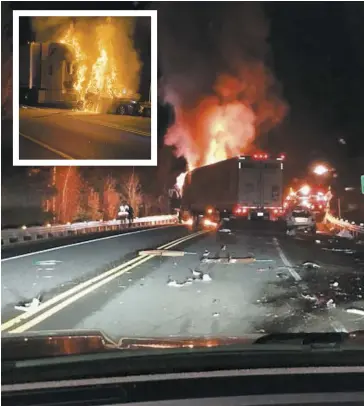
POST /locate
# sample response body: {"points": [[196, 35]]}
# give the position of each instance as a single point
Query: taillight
{"points": [[240, 210]]}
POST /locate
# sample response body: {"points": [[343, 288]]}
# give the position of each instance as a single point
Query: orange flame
{"points": [[98, 76], [224, 126], [181, 180]]}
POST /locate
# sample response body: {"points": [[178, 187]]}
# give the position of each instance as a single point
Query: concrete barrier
{"points": [[24, 234]]}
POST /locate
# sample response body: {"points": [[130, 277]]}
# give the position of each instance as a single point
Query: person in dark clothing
{"points": [[130, 212]]}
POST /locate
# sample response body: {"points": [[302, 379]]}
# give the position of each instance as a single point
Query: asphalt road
{"points": [[159, 296], [64, 134]]}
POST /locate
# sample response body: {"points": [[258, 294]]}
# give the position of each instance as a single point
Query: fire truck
{"points": [[314, 198]]}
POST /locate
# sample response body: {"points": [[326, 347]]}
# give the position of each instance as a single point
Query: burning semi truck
{"points": [[50, 75], [249, 187]]}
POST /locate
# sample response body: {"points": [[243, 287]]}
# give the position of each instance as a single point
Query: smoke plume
{"points": [[214, 61]]}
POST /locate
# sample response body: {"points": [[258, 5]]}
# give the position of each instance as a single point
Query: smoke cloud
{"points": [[214, 61]]}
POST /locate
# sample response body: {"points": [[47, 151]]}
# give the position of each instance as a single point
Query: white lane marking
{"points": [[286, 261], [114, 126], [17, 319], [83, 242], [83, 289], [46, 146]]}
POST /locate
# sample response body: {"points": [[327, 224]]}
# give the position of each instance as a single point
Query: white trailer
{"points": [[245, 186]]}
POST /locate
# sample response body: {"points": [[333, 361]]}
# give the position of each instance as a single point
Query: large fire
{"points": [[225, 125], [212, 132], [97, 70]]}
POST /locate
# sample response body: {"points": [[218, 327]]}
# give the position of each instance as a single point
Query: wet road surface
{"points": [[294, 285]]}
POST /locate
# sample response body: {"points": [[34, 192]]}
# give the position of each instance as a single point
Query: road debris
{"points": [[310, 265], [166, 253], [354, 310], [198, 276], [29, 306], [282, 275], [330, 304], [176, 284], [206, 278], [344, 250], [228, 260], [196, 273], [311, 298], [216, 314]]}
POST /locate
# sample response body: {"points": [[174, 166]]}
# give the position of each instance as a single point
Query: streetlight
{"points": [[320, 169]]}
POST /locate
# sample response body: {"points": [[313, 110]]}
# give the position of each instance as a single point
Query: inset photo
{"points": [[85, 88]]}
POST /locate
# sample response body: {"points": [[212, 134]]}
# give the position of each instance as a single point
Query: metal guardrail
{"points": [[354, 229], [24, 234]]}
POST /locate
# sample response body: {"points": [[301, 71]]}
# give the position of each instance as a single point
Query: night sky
{"points": [[318, 58]]}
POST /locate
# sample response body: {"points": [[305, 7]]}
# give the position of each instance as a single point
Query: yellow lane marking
{"points": [[80, 286], [83, 289], [42, 144], [115, 126]]}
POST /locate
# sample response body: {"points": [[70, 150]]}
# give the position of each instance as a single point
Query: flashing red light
{"points": [[283, 156], [240, 210], [260, 156]]}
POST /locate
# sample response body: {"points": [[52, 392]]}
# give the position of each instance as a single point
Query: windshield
{"points": [[221, 197]]}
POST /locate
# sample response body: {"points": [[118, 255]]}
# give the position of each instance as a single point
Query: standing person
{"points": [[130, 212], [123, 210]]}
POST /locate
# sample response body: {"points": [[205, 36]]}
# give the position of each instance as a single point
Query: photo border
{"points": [[154, 87]]}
